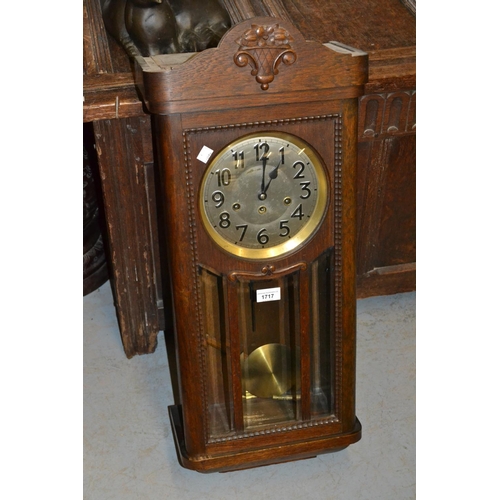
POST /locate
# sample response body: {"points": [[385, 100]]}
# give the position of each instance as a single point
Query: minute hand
{"points": [[264, 161]]}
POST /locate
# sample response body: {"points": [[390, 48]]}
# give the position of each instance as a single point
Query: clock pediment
{"points": [[264, 61]]}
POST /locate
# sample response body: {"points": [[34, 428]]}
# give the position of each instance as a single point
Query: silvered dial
{"points": [[263, 195]]}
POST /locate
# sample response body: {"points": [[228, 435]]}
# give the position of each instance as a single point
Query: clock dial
{"points": [[263, 195]]}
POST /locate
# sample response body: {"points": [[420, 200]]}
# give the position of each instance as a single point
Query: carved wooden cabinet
{"points": [[385, 29]]}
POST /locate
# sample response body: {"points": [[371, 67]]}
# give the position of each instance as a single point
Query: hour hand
{"points": [[272, 175]]}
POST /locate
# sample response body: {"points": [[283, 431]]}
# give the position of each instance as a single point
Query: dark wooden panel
{"points": [[396, 242], [245, 9], [385, 29], [387, 280], [368, 25], [125, 155], [386, 215], [386, 193], [392, 70]]}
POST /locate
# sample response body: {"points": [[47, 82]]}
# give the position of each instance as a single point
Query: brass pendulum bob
{"points": [[267, 371]]}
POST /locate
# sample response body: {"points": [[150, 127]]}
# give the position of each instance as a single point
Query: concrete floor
{"points": [[129, 451]]}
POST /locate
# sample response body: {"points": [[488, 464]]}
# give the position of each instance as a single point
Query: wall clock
{"points": [[248, 210], [256, 142]]}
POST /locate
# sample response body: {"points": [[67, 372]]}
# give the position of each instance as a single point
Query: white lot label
{"points": [[205, 154], [268, 294]]}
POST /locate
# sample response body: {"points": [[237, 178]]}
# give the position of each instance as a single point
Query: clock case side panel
{"points": [[182, 272], [346, 254]]}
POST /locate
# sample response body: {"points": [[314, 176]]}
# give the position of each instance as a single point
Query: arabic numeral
{"points": [[262, 238], [307, 191], [224, 221], [299, 174], [286, 229], [244, 227], [260, 146], [239, 159], [223, 177], [218, 198], [282, 151], [298, 213]]}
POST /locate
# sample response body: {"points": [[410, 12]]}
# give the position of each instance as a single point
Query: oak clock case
{"points": [[259, 222]]}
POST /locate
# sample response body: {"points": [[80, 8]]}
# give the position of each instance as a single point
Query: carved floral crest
{"points": [[265, 48]]}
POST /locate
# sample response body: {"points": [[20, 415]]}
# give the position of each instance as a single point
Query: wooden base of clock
{"points": [[271, 454]]}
